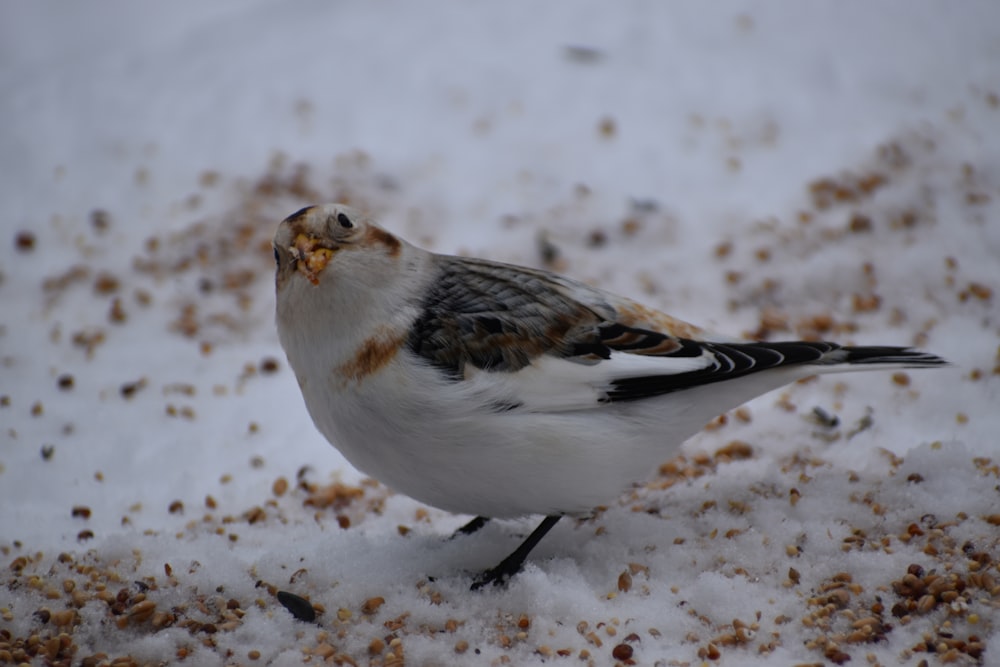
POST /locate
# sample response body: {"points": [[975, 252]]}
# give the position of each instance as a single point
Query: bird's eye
{"points": [[277, 258], [344, 221]]}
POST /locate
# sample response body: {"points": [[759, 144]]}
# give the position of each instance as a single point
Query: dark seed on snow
{"points": [[297, 606]]}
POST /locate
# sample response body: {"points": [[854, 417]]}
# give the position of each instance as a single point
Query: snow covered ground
{"points": [[816, 169]]}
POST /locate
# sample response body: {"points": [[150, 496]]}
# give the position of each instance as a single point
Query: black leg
{"points": [[471, 527], [512, 564]]}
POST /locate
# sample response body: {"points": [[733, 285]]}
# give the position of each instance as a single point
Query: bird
{"points": [[502, 391]]}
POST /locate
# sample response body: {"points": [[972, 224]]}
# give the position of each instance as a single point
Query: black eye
{"points": [[344, 221], [277, 259]]}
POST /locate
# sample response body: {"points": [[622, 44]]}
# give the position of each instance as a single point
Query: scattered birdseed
{"points": [[621, 652], [130, 389], [607, 127], [371, 605], [24, 241], [297, 606], [100, 220]]}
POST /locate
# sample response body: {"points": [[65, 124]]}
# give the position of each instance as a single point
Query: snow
{"points": [[665, 151]]}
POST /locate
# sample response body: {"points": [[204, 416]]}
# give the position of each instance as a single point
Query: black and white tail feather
{"points": [[728, 361]]}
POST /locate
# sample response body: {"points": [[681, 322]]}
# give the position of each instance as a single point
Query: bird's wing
{"points": [[542, 342], [500, 318]]}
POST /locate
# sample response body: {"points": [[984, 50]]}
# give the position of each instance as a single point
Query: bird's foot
{"points": [[513, 563]]}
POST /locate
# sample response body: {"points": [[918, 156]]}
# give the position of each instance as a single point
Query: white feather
{"points": [[552, 384]]}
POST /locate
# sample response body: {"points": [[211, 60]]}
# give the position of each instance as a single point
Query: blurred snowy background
{"points": [[818, 169]]}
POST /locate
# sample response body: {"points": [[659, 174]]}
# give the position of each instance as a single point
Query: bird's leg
{"points": [[471, 527], [512, 564]]}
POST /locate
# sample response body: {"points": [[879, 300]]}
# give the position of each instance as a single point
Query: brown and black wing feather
{"points": [[499, 318]]}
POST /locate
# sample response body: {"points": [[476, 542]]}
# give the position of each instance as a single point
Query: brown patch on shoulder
{"points": [[382, 237], [373, 355], [634, 314]]}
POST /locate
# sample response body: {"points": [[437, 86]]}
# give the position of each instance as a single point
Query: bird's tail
{"points": [[883, 356]]}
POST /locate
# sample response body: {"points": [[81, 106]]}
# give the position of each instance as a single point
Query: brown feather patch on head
{"points": [[377, 235]]}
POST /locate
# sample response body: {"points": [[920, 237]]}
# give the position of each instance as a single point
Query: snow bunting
{"points": [[501, 391]]}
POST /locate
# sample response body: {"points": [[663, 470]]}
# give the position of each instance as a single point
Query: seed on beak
{"points": [[311, 257]]}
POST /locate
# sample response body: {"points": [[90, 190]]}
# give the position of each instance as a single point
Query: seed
{"points": [[621, 652], [940, 585], [297, 606], [142, 611], [980, 291], [117, 312], [24, 241], [64, 618], [371, 605], [909, 586], [161, 619], [106, 283], [52, 647], [461, 646], [130, 389], [607, 127], [839, 598], [255, 514]]}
